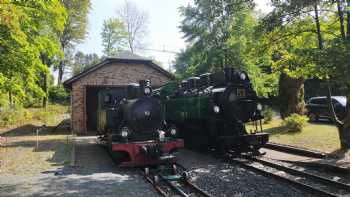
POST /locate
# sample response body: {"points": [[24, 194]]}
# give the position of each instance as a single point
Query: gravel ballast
{"points": [[223, 179]]}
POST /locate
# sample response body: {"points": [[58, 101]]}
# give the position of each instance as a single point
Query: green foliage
{"points": [[57, 94], [333, 61], [114, 36], [30, 30], [19, 115], [220, 35], [295, 122], [75, 31], [83, 61], [10, 116], [268, 114]]}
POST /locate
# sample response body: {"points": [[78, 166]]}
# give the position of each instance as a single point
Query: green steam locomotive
{"points": [[211, 110]]}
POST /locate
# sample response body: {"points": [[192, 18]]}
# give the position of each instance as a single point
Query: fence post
{"points": [[37, 139]]}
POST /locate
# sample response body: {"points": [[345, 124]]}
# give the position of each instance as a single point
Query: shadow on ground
{"points": [[95, 175], [78, 182], [30, 129]]}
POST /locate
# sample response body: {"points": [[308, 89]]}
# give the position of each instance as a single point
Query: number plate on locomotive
{"points": [[241, 92]]}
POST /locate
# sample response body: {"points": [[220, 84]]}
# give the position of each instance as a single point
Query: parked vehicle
{"points": [[318, 107]]}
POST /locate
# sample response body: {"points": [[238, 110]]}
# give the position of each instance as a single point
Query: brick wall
{"points": [[112, 74]]}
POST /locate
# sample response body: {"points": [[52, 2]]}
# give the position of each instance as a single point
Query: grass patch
{"points": [[18, 118], [318, 136], [53, 114], [20, 154]]}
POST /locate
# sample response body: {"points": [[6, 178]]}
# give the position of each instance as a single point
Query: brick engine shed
{"points": [[110, 73]]}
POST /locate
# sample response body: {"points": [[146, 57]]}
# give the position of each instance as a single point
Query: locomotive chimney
{"points": [[229, 74], [144, 83]]}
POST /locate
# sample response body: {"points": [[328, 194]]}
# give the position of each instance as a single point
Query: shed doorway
{"points": [[92, 105]]}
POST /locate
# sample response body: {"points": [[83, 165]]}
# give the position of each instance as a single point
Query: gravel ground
{"points": [[95, 175], [223, 179]]}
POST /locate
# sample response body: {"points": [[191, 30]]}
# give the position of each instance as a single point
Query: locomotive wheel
{"points": [[185, 175], [146, 171], [174, 169], [196, 138], [156, 179], [220, 149]]}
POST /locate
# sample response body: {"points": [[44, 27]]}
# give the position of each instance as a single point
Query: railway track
{"points": [[292, 150], [173, 184], [313, 183], [295, 150]]}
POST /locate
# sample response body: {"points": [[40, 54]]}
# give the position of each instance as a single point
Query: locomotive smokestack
{"points": [[145, 87], [144, 83], [229, 74]]}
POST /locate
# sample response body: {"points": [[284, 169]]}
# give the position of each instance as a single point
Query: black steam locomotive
{"points": [[211, 111], [134, 128]]}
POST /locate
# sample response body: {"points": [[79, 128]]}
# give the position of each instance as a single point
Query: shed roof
{"points": [[120, 58]]}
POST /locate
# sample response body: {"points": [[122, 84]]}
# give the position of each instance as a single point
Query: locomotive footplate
{"points": [[147, 152], [245, 143]]}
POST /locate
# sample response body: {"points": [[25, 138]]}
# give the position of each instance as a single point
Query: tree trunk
{"points": [[344, 128], [344, 131], [10, 99], [341, 17], [348, 20], [45, 89], [291, 95], [318, 27], [60, 73]]}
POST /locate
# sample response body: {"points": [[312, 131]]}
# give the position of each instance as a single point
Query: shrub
{"points": [[11, 116], [295, 122], [57, 94], [268, 114]]}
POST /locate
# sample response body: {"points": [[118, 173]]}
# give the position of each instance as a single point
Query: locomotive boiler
{"points": [[133, 126], [211, 111]]}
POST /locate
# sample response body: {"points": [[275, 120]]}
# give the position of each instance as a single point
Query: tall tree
{"points": [[348, 18], [29, 31], [75, 29], [83, 61], [334, 62], [113, 36], [135, 21], [294, 28], [220, 34]]}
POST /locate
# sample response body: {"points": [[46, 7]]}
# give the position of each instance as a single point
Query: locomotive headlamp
{"points": [[243, 76], [216, 109], [259, 107], [125, 132], [173, 131], [161, 135], [147, 90]]}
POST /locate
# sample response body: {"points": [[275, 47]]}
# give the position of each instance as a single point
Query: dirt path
{"points": [[95, 175]]}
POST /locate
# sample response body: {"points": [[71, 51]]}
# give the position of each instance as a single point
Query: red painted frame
{"points": [[137, 158]]}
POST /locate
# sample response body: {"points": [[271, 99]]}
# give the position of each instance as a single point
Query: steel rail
{"points": [[155, 185], [304, 174], [184, 183], [303, 186], [295, 150], [174, 187], [329, 167], [195, 187]]}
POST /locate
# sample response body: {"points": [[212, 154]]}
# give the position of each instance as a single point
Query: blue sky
{"points": [[163, 22]]}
